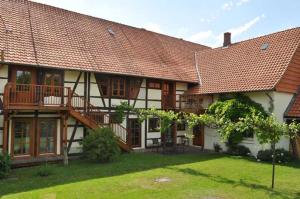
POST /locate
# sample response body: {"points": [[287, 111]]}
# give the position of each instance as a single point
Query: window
{"points": [[47, 136], [154, 85], [23, 77], [248, 134], [103, 85], [118, 87], [154, 124], [181, 126], [52, 80]]}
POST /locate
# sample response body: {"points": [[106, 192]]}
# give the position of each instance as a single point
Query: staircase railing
{"points": [[81, 105]]}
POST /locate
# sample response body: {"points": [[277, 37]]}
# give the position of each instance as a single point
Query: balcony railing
{"points": [[28, 95], [191, 103]]}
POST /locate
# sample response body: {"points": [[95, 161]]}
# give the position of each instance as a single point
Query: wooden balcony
{"points": [[35, 97], [192, 103]]}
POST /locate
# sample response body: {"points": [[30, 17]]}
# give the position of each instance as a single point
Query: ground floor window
{"points": [[28, 140], [154, 125]]}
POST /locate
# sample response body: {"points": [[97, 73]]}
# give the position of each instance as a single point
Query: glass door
{"points": [[47, 136], [135, 132], [24, 91], [22, 137]]}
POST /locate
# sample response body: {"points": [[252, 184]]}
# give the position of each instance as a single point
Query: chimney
{"points": [[227, 39]]}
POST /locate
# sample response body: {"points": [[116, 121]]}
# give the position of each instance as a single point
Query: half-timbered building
{"points": [[62, 73]]}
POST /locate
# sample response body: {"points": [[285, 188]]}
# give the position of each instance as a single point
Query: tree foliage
{"points": [[100, 145]]}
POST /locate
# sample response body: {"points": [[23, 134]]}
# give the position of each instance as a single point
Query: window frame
{"points": [[118, 80], [39, 137], [31, 137], [154, 130], [151, 84]]}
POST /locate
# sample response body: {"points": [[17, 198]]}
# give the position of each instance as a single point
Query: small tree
{"points": [[100, 145], [269, 131]]}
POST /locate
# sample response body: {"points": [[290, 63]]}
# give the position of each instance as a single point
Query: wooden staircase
{"points": [[93, 118]]}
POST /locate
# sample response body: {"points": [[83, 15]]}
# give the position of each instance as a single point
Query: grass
{"points": [[133, 176]]}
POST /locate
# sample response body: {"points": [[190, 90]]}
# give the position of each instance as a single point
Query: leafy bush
{"points": [[239, 150], [101, 145], [229, 110], [217, 147], [45, 171], [4, 165], [281, 156]]}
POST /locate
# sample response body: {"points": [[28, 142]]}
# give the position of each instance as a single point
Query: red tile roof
{"points": [[37, 34], [293, 109], [244, 66]]}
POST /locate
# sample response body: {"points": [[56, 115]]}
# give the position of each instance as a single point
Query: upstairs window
{"points": [[118, 87], [154, 85], [23, 77]]}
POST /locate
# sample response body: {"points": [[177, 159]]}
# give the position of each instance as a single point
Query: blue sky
{"points": [[201, 21]]}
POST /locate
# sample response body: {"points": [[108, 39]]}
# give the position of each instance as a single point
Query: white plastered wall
{"points": [[280, 100]]}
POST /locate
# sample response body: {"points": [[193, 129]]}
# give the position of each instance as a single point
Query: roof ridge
{"points": [[119, 23], [253, 38]]}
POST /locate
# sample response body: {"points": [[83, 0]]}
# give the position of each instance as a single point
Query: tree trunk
{"points": [[273, 163]]}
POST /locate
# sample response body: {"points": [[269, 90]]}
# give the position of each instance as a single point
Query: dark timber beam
{"points": [[77, 81], [72, 136]]}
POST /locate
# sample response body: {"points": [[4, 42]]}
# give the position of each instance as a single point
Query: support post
{"points": [[5, 134]]}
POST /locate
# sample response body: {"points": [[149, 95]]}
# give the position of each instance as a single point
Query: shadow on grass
{"points": [[234, 183], [26, 179]]}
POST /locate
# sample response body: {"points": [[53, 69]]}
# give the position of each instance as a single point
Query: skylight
{"points": [[264, 46], [111, 32]]}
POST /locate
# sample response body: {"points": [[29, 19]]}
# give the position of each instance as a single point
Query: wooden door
{"points": [[22, 137], [134, 132], [23, 79], [46, 135], [168, 95], [198, 133]]}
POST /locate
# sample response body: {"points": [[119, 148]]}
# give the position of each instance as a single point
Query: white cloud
{"points": [[241, 2], [241, 29], [202, 37], [153, 27], [227, 6], [214, 40]]}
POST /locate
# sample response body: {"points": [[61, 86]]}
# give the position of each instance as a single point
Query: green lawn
{"points": [[133, 176]]}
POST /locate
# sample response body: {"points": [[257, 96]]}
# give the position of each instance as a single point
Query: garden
{"points": [[103, 172]]}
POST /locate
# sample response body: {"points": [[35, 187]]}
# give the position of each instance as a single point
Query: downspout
{"points": [[197, 69], [271, 103]]}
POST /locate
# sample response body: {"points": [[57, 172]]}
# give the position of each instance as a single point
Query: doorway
{"points": [[198, 132], [134, 131], [168, 95]]}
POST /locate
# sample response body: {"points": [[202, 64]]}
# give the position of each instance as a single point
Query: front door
{"points": [[134, 132], [24, 92], [22, 137], [198, 132]]}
